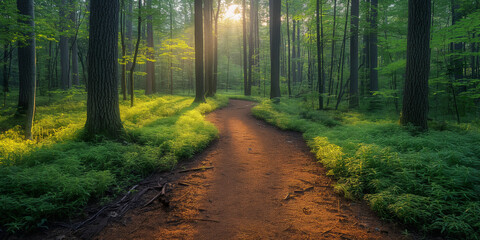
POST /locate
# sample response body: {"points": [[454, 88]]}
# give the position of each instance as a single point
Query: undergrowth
{"points": [[428, 180], [56, 174]]}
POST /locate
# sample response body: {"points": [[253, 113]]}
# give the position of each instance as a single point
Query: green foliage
{"points": [[56, 175], [429, 180]]}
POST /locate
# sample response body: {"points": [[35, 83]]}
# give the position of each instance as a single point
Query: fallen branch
{"points": [[195, 169]]}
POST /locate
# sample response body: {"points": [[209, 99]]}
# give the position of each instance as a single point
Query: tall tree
{"points": [[215, 49], [123, 80], [27, 62], [64, 49], [251, 48], [74, 47], [275, 25], [321, 79], [289, 73], [103, 113], [354, 54], [135, 55], [245, 55], [373, 41], [199, 77], [150, 84], [415, 98], [208, 48]]}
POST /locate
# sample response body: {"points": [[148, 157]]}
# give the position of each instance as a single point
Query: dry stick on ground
{"points": [[195, 169], [161, 193]]}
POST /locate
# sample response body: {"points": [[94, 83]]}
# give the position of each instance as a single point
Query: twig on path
{"points": [[161, 193], [195, 169], [327, 231]]}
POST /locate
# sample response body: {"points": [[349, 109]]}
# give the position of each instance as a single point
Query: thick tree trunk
{"points": [[103, 113], [150, 84], [415, 98], [199, 77], [275, 25], [215, 50], [26, 65], [354, 55]]}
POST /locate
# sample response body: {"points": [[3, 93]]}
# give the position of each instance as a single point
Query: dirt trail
{"points": [[265, 184]]}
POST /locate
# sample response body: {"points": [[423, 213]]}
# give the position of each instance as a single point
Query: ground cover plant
{"points": [[430, 180], [56, 174]]}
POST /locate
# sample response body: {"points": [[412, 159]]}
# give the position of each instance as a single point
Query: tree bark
{"points": [[103, 113], [321, 79], [373, 40], [276, 23], [415, 98], [64, 50], [215, 50], [208, 48], [199, 77], [26, 64], [354, 55], [74, 47], [245, 54], [289, 74], [134, 63], [150, 83]]}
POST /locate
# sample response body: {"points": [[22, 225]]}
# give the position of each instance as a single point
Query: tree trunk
{"points": [[215, 50], [199, 77], [294, 52], [245, 54], [129, 33], [103, 113], [123, 79], [150, 83], [415, 98], [354, 55], [74, 47], [251, 49], [26, 64], [134, 63], [208, 8], [171, 50], [332, 57], [289, 74], [321, 80], [275, 25], [64, 50], [373, 40]]}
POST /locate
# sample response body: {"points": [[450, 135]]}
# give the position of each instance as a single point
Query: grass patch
{"points": [[427, 180], [56, 174]]}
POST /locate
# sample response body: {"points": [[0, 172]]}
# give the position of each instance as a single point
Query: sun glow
{"points": [[234, 12]]}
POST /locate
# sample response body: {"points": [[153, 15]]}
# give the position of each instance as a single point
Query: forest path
{"points": [[265, 184]]}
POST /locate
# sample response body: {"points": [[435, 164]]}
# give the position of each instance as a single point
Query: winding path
{"points": [[265, 184]]}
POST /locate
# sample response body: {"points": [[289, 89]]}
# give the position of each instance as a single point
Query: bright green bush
{"points": [[57, 174], [428, 180]]}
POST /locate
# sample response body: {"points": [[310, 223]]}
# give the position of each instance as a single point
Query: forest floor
{"points": [[264, 184], [254, 182]]}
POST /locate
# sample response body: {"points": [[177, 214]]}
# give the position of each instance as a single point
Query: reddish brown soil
{"points": [[244, 196]]}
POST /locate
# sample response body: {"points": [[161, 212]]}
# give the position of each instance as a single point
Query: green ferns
{"points": [[54, 176], [429, 180]]}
